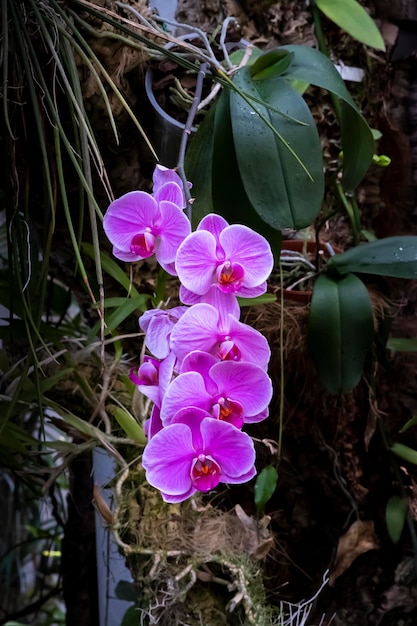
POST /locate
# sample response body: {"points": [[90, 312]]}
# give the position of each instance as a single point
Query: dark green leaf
{"points": [[229, 197], [400, 344], [276, 184], [395, 516], [404, 452], [131, 617], [409, 424], [392, 256], [265, 485], [266, 298], [271, 64], [237, 56], [340, 331], [352, 18], [198, 166], [130, 426], [311, 66], [126, 590]]}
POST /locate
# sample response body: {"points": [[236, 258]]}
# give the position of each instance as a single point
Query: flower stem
{"points": [[281, 359], [186, 133]]}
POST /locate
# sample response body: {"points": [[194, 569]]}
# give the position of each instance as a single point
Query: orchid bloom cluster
{"points": [[207, 372]]}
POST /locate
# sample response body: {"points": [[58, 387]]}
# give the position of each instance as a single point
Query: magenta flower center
{"points": [[230, 411], [143, 244], [205, 473], [230, 276], [228, 350]]}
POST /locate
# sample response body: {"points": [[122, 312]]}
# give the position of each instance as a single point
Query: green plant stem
{"points": [[352, 210], [186, 133]]}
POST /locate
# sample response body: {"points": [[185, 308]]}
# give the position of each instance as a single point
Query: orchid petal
{"points": [[167, 459], [243, 382], [128, 216], [154, 423], [197, 330], [253, 346], [196, 261], [243, 478], [174, 227], [180, 498], [188, 297], [169, 268], [252, 292], [158, 324], [193, 417], [206, 473], [186, 390], [201, 362], [163, 175], [213, 223], [147, 379], [232, 449], [248, 248], [172, 192], [254, 419], [128, 257], [224, 303]]}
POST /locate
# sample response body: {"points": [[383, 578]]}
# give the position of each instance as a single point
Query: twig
{"points": [[223, 34]]}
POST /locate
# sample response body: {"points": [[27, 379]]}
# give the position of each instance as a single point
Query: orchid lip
{"points": [[143, 243], [229, 351], [230, 276], [230, 411], [205, 473]]}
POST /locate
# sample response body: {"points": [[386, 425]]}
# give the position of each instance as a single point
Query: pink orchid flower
{"points": [[140, 225], [234, 258], [158, 324], [203, 328], [230, 391], [154, 376], [196, 453], [163, 175]]}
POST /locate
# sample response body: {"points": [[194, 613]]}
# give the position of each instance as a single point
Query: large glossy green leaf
{"points": [[279, 188], [313, 67], [229, 196], [340, 331], [392, 256], [352, 18], [198, 167]]}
